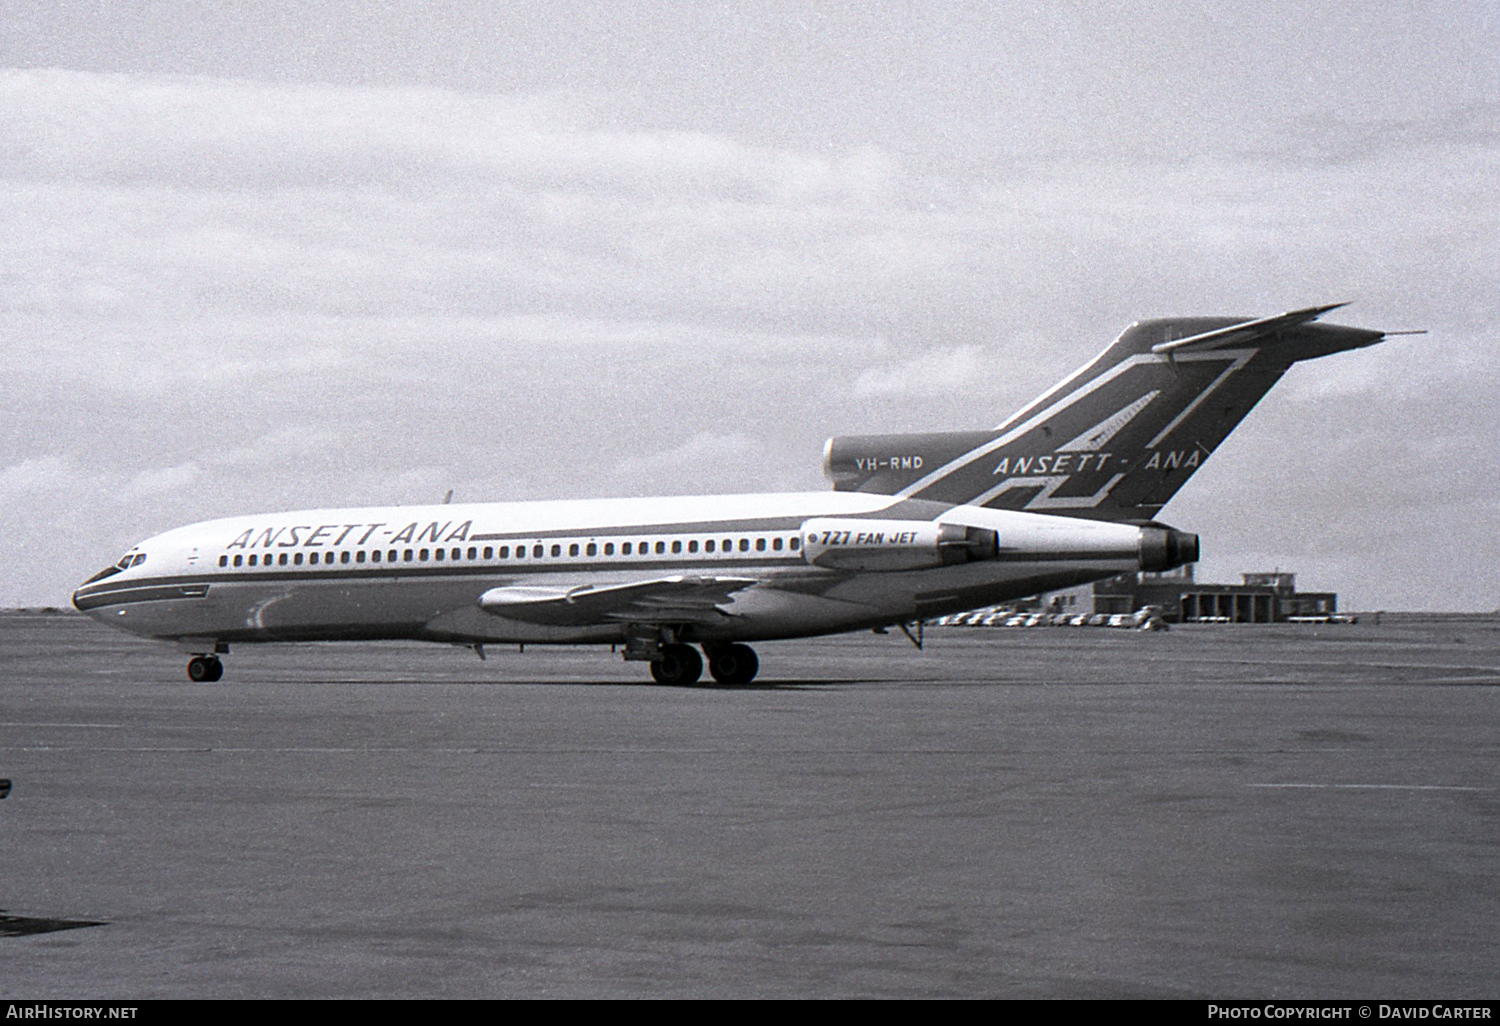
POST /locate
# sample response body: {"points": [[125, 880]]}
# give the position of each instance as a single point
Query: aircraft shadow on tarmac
{"points": [[758, 685], [20, 926]]}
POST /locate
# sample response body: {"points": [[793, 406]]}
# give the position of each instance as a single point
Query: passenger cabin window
{"points": [[252, 559], [776, 544], [223, 560], [744, 544], [693, 545], [760, 545], [609, 548], [573, 549], [536, 552], [661, 547], [676, 547], [281, 559], [238, 560], [375, 556], [344, 556], [592, 550], [708, 546], [796, 543]]}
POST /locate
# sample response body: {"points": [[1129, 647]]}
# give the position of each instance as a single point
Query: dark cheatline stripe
{"points": [[196, 585], [124, 596]]}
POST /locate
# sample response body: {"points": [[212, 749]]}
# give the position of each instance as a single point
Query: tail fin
{"points": [[1114, 440]]}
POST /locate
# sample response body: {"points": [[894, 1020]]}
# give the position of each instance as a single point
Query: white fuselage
{"points": [[420, 571]]}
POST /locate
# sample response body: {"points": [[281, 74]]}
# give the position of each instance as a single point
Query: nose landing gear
{"points": [[205, 669]]}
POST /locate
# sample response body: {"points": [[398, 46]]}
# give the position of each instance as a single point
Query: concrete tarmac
{"points": [[1266, 811]]}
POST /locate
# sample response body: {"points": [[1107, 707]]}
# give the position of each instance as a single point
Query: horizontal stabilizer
{"points": [[1241, 334], [664, 600]]}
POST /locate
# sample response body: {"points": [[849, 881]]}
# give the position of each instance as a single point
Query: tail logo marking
{"points": [[1096, 437], [1059, 464], [1241, 357], [1171, 460], [1045, 499], [1236, 358]]}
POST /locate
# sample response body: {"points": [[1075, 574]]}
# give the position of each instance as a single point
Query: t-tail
{"points": [[1116, 439]]}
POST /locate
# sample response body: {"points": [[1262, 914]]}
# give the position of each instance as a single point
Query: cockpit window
{"points": [[140, 557], [125, 561], [108, 571]]}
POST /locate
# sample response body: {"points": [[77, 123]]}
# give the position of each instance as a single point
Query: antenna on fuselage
{"points": [[448, 498]]}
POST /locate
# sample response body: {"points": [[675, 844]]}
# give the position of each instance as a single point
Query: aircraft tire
{"points": [[734, 665], [679, 666], [204, 669]]}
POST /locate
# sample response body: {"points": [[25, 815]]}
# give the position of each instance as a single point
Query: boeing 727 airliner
{"points": [[1064, 492]]}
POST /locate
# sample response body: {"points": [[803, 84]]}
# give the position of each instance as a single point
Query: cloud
{"points": [[204, 133], [43, 474], [165, 480], [960, 369], [706, 463]]}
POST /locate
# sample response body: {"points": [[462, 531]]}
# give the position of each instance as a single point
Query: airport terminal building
{"points": [[1179, 598]]}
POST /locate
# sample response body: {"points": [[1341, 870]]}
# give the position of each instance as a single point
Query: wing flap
{"points": [[676, 599]]}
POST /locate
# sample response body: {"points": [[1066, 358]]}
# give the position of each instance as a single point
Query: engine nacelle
{"points": [[851, 544], [1166, 548]]}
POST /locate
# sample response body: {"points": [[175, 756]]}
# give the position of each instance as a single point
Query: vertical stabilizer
{"points": [[1114, 440]]}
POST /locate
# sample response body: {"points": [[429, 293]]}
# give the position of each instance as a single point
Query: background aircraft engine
{"points": [[848, 544]]}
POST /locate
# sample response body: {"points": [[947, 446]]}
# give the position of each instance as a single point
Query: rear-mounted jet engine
{"points": [[855, 544]]}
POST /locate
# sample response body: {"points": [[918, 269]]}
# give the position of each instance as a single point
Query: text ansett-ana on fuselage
{"points": [[1064, 492]]}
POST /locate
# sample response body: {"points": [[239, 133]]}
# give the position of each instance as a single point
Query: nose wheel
{"points": [[205, 669]]}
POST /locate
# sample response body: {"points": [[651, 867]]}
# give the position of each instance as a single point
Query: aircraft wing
{"points": [[676, 599], [1248, 331]]}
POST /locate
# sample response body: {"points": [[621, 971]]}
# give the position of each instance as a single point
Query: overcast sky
{"points": [[273, 256]]}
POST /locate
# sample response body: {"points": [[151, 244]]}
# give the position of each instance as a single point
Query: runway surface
{"points": [[1242, 811]]}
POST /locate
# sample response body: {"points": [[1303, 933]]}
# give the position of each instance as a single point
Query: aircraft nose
{"points": [[80, 598], [80, 602]]}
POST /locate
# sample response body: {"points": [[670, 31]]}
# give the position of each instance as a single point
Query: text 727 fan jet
{"points": [[1064, 492]]}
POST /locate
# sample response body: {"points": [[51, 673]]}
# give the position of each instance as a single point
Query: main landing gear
{"points": [[733, 665], [680, 665], [205, 669]]}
